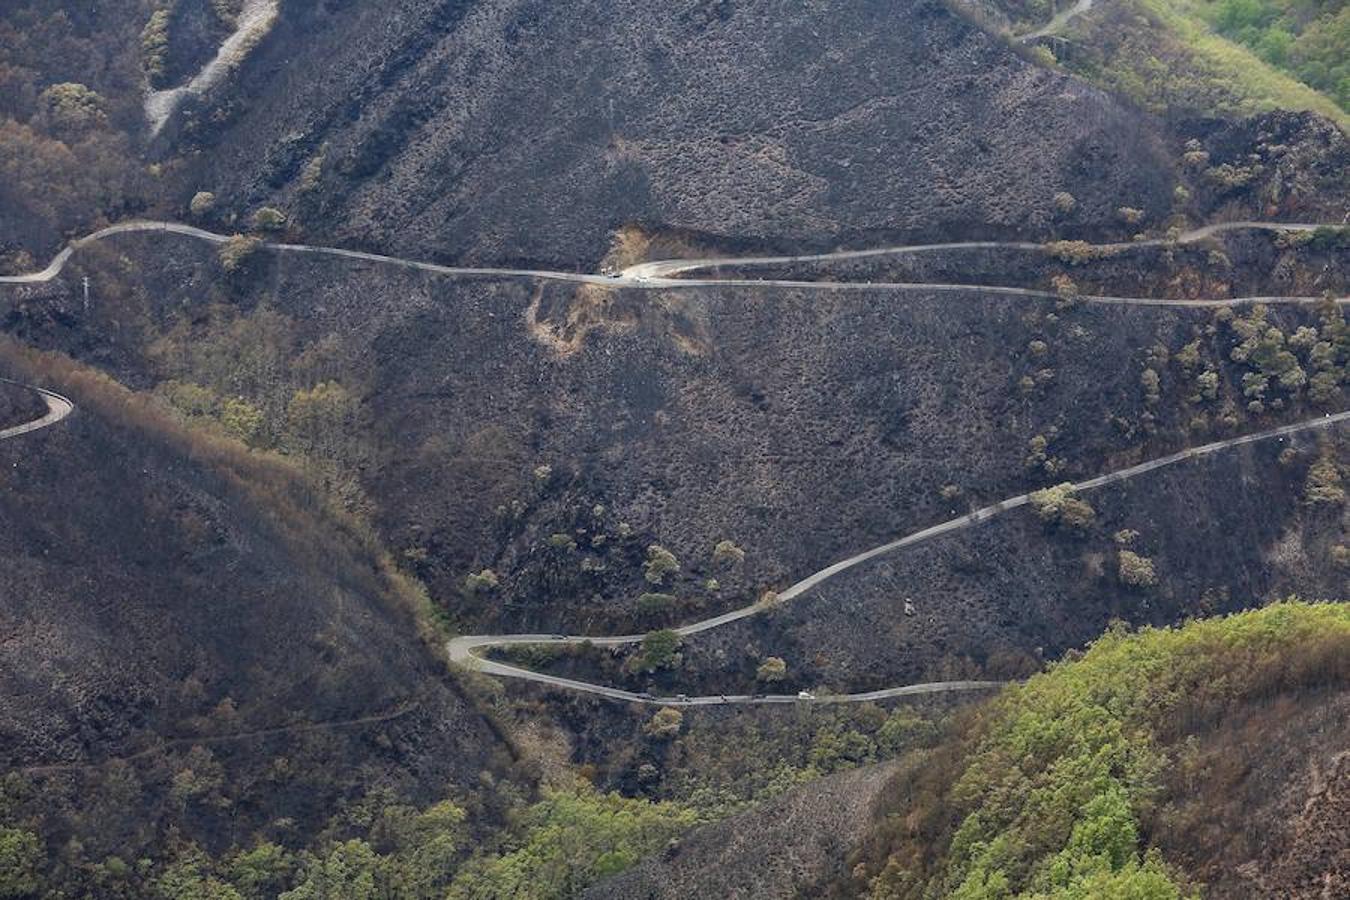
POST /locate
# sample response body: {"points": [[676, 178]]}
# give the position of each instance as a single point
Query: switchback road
{"points": [[466, 650], [657, 275]]}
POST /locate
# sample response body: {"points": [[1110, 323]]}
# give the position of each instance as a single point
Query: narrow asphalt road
{"points": [[658, 275], [466, 650], [254, 20], [1056, 24], [58, 408]]}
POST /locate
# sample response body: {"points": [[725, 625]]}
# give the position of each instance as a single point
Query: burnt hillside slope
{"points": [[184, 607], [523, 130]]}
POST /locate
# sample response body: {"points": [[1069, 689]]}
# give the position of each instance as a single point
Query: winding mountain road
{"points": [[466, 650], [58, 408], [658, 275], [1056, 24]]}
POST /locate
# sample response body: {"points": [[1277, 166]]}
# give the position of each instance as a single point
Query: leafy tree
{"points": [[727, 553], [237, 251], [771, 669], [21, 858], [189, 877], [202, 203], [321, 421], [660, 563], [659, 650], [1323, 484], [1057, 505], [262, 872], [666, 723], [569, 840], [350, 871], [485, 580], [269, 219], [1136, 570], [242, 420], [155, 45], [71, 108]]}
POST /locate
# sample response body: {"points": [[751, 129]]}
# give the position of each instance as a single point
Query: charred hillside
{"points": [[527, 131], [193, 642]]}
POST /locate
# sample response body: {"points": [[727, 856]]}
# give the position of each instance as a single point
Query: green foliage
{"points": [[660, 563], [1309, 39], [21, 858], [1057, 506], [350, 871], [1136, 570], [1323, 485], [242, 420], [202, 203], [485, 580], [155, 46], [569, 840], [262, 872], [659, 650], [269, 219], [771, 669], [1061, 767], [190, 877], [562, 541], [666, 723], [727, 553], [653, 603], [237, 251], [72, 108]]}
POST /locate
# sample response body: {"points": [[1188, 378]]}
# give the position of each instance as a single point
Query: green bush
{"points": [[771, 669], [660, 563], [269, 219]]}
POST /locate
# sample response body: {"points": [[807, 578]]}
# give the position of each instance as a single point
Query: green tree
{"points": [[569, 840], [771, 669], [262, 872], [1136, 570], [660, 563], [350, 871], [665, 724], [21, 859], [659, 650], [238, 250], [321, 421], [202, 203], [242, 420], [727, 553], [269, 219]]}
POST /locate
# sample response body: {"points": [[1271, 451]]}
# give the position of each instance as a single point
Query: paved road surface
{"points": [[466, 650], [255, 18], [58, 408], [1055, 25], [657, 275]]}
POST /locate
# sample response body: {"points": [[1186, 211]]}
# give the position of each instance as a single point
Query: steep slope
{"points": [[520, 130], [1209, 759], [191, 639], [1166, 739], [553, 434], [784, 848]]}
